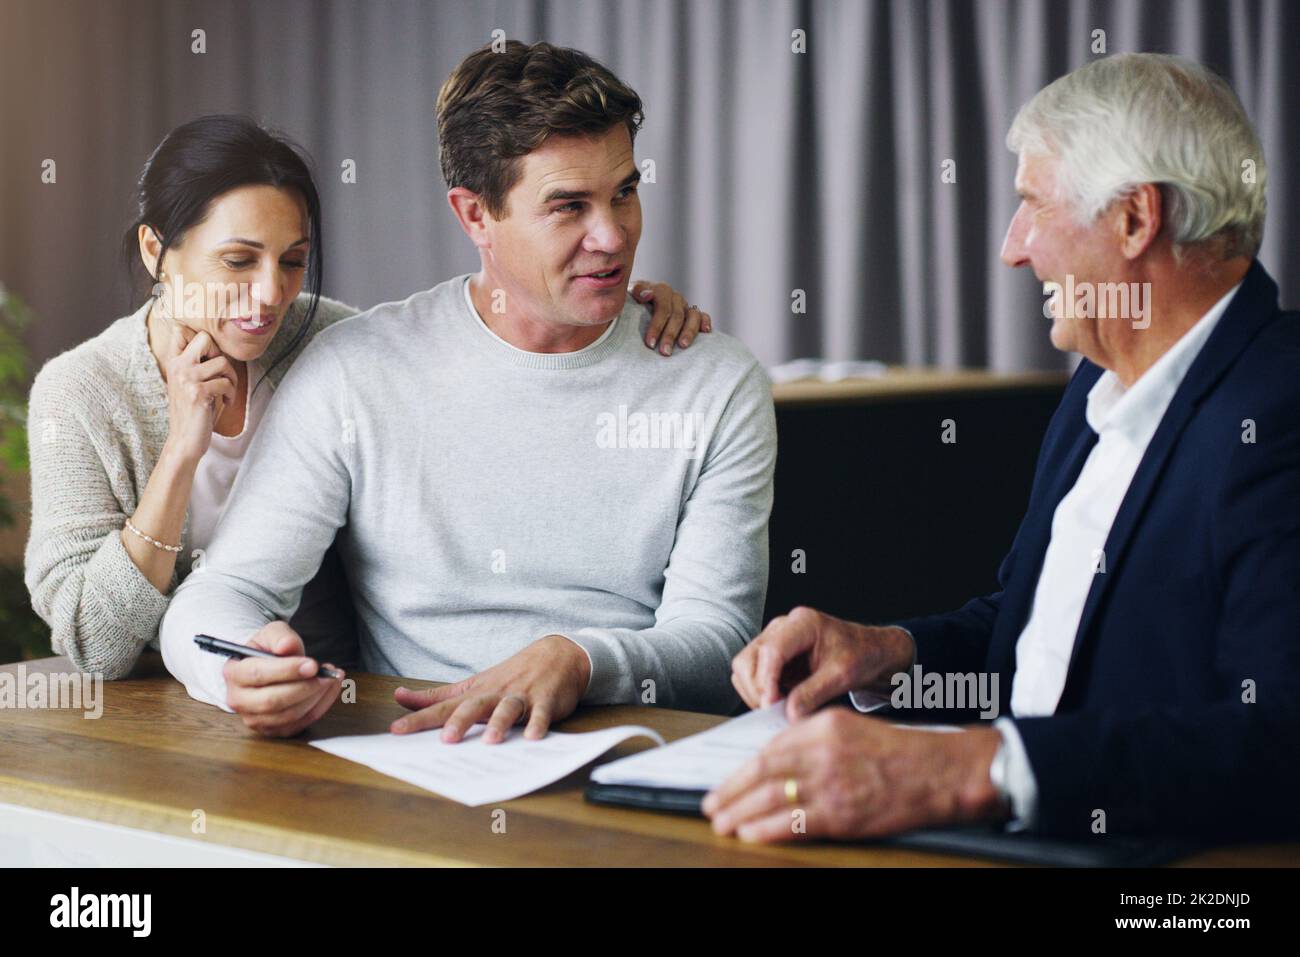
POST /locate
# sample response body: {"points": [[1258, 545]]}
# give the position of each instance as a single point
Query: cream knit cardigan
{"points": [[97, 421]]}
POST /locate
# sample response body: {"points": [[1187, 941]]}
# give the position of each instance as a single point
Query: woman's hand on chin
{"points": [[198, 389]]}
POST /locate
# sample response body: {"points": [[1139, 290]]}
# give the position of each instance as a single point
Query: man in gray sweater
{"points": [[529, 504]]}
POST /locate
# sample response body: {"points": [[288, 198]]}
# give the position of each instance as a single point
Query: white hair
{"points": [[1136, 118]]}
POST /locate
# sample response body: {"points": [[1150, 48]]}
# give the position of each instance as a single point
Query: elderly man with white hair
{"points": [[1145, 638]]}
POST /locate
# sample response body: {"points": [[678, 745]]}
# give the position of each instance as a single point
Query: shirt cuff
{"points": [[591, 660], [868, 701], [1019, 785], [207, 681]]}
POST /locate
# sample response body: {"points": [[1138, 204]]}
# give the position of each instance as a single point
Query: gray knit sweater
{"points": [[97, 421]]}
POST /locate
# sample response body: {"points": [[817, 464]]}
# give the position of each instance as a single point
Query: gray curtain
{"points": [[775, 171]]}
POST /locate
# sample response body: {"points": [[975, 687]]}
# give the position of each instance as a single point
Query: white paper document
{"points": [[475, 773], [702, 761]]}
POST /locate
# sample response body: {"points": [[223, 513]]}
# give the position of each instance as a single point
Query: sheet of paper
{"points": [[475, 773], [702, 761]]}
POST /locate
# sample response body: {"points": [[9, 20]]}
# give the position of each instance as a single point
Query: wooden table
{"points": [[900, 382], [156, 756]]}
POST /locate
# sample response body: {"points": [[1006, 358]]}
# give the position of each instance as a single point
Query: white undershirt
{"points": [[473, 311], [218, 467]]}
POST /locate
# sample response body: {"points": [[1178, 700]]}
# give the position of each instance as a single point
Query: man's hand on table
{"points": [[539, 685], [279, 698], [858, 777]]}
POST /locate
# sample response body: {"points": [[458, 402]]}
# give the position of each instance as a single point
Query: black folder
{"points": [[987, 842]]}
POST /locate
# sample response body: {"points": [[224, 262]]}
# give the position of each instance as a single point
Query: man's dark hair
{"points": [[497, 107]]}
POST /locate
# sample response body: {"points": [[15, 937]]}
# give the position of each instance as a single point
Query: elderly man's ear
{"points": [[1140, 216]]}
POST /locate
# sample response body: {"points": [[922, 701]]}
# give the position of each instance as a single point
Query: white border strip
{"points": [[35, 838]]}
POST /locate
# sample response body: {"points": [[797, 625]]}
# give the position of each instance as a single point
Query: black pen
{"points": [[219, 646]]}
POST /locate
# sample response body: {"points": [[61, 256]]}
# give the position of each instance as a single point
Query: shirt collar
{"points": [[1136, 412], [589, 354]]}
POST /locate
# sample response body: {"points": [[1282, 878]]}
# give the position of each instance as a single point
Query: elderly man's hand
{"points": [[810, 658], [842, 775]]}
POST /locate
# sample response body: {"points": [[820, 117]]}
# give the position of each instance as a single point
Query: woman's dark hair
{"points": [[205, 158]]}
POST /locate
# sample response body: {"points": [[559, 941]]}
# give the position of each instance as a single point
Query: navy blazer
{"points": [[1180, 714]]}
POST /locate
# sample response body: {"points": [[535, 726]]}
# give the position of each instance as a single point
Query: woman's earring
{"points": [[157, 291]]}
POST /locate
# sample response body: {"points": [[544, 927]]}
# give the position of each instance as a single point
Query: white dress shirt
{"points": [[1124, 420]]}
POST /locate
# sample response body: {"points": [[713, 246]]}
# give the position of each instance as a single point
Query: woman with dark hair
{"points": [[137, 434]]}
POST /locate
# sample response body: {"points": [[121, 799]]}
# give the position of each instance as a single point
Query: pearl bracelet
{"points": [[152, 541]]}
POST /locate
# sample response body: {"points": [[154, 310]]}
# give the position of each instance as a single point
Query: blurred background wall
{"points": [[796, 145], [774, 170]]}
